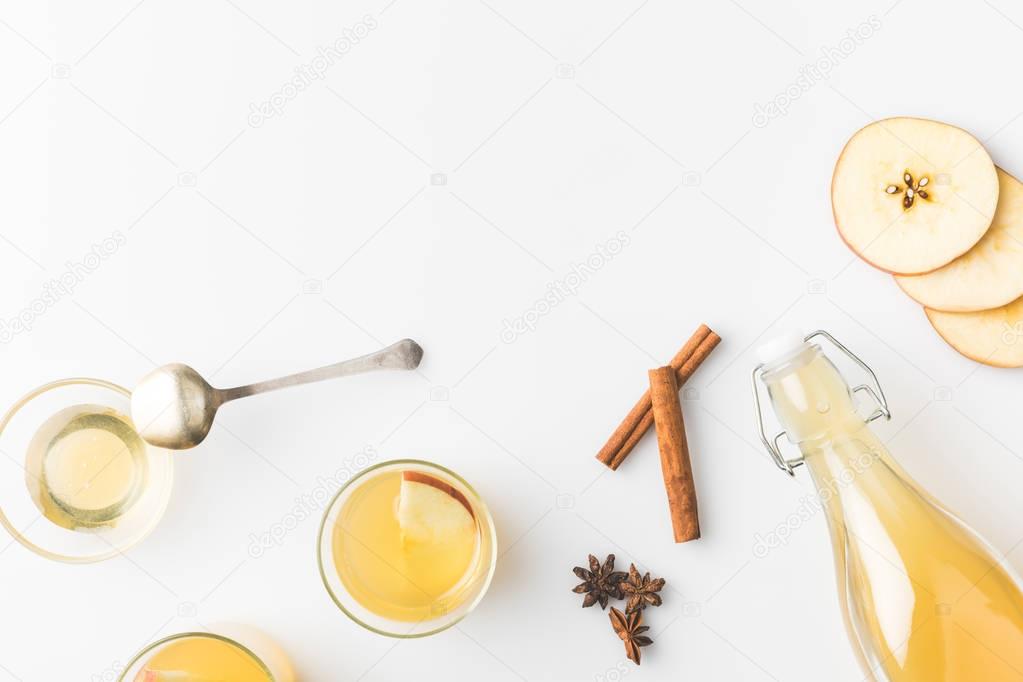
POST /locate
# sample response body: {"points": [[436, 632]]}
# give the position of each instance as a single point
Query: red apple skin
{"points": [[834, 217], [426, 479]]}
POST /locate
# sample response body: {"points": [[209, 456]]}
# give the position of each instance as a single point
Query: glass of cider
{"points": [[80, 484], [407, 548], [238, 654]]}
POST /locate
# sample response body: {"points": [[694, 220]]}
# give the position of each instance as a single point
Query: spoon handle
{"points": [[404, 354]]}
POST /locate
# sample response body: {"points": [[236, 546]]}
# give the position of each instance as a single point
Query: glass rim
{"points": [[16, 534], [478, 503], [205, 635]]}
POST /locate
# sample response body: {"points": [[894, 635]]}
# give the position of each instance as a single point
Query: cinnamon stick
{"points": [[675, 464], [641, 418]]}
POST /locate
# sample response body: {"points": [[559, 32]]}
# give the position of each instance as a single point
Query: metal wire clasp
{"points": [[773, 449]]}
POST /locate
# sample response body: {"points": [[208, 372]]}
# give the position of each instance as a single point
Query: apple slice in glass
{"points": [[430, 510]]}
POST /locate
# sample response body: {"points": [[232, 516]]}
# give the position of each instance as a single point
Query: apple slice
{"points": [[148, 675], [992, 337], [987, 276], [430, 510], [911, 195]]}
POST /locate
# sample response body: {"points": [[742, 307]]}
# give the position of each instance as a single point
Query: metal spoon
{"points": [[173, 406]]}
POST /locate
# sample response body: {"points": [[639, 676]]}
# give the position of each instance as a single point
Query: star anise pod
{"points": [[641, 590], [600, 582], [630, 629]]}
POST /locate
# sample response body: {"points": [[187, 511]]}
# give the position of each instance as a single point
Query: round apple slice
{"points": [[430, 510], [911, 195], [987, 276], [992, 337]]}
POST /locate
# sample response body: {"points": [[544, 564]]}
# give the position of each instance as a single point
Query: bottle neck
{"points": [[811, 399], [816, 407], [852, 470]]}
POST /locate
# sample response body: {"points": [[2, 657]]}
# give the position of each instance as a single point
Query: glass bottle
{"points": [[924, 598]]}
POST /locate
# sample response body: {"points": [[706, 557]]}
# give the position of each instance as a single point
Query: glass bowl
{"points": [[480, 573], [19, 512], [248, 642]]}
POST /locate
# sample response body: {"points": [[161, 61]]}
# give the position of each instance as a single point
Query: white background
{"points": [[254, 251]]}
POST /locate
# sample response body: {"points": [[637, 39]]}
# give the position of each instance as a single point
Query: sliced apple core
{"points": [[911, 195], [987, 276], [992, 337], [430, 510]]}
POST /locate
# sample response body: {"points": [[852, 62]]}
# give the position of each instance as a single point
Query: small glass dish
{"points": [[250, 644], [477, 577], [20, 512]]}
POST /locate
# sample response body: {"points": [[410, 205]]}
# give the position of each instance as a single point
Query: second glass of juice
{"points": [[237, 653], [407, 548]]}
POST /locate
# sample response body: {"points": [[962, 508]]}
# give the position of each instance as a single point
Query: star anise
{"points": [[641, 590], [629, 628], [600, 582]]}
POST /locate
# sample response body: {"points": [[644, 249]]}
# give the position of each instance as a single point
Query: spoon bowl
{"points": [[173, 407]]}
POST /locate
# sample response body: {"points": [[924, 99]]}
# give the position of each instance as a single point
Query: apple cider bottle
{"points": [[924, 598]]}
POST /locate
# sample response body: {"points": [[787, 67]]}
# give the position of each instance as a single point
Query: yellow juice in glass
{"points": [[204, 657], [404, 573], [85, 467], [407, 543], [91, 487]]}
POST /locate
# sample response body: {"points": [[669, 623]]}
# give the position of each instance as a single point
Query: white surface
{"points": [[563, 132]]}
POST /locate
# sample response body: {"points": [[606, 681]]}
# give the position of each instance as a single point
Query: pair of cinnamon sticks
{"points": [[660, 406]]}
